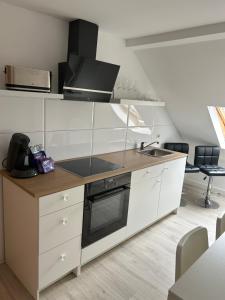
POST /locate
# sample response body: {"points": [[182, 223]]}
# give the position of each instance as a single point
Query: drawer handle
{"points": [[147, 172], [158, 180], [64, 221], [65, 198], [62, 257]]}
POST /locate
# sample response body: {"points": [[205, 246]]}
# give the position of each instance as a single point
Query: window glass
{"points": [[221, 117], [217, 114]]}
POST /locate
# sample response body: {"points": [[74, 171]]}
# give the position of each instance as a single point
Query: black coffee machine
{"points": [[18, 161]]}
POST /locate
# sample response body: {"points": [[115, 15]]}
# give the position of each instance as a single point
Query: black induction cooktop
{"points": [[88, 166]]}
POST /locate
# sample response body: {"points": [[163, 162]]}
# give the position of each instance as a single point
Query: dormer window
{"points": [[217, 114]]}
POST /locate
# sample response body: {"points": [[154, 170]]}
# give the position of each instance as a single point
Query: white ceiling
{"points": [[133, 18]]}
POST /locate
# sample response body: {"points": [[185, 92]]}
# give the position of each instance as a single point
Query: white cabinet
{"points": [[59, 227], [42, 236], [143, 205], [171, 186], [145, 174], [58, 261], [155, 192], [54, 202]]}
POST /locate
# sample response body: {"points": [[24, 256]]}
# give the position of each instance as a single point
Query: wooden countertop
{"points": [[60, 179]]}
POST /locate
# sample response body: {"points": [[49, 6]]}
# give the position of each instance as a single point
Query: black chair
{"points": [[206, 158], [184, 148]]}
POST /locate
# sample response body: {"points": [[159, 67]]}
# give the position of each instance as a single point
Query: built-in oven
{"points": [[105, 207]]}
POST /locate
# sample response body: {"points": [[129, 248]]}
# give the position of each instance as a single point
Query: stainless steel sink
{"points": [[155, 152]]}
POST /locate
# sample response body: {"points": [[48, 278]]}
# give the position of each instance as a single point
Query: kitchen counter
{"points": [[53, 207], [60, 179]]}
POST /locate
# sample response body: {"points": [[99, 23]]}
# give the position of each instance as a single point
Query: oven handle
{"points": [[97, 198]]}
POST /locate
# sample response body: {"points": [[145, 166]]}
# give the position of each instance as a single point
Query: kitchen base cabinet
{"points": [[59, 261], [143, 204], [152, 198], [171, 186], [36, 255], [43, 234]]}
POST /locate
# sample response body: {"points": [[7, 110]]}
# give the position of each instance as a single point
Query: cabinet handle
{"points": [[64, 221], [147, 172], [65, 198], [158, 180], [62, 257]]}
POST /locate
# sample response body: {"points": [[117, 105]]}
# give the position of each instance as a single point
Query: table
{"points": [[205, 279]]}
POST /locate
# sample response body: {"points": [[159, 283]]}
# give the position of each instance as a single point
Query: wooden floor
{"points": [[141, 268]]}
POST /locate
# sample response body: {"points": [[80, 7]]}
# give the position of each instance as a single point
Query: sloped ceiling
{"points": [[189, 78]]}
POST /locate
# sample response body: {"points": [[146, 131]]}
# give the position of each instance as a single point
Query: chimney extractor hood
{"points": [[83, 38], [83, 77]]}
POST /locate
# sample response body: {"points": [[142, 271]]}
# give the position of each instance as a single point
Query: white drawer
{"points": [[57, 201], [58, 227], [151, 172], [59, 261]]}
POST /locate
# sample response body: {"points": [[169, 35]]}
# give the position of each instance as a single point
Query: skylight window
{"points": [[217, 115], [221, 116]]}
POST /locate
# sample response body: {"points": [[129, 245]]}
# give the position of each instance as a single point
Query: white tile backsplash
{"points": [[74, 128], [108, 140], [165, 134], [21, 114], [35, 137], [68, 144], [161, 116], [107, 115], [68, 115], [140, 115], [136, 135]]}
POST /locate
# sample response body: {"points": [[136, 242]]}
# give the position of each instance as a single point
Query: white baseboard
{"points": [[203, 186]]}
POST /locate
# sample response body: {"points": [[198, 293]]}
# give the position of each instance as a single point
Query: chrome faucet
{"points": [[142, 147]]}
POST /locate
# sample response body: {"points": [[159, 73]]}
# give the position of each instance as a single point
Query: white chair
{"points": [[220, 226], [192, 245]]}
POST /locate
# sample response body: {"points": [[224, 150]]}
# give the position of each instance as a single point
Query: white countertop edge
{"points": [[8, 93]]}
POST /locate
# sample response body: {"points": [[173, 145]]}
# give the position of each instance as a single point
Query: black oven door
{"points": [[104, 214]]}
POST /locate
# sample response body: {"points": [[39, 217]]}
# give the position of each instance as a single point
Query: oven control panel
{"points": [[107, 184]]}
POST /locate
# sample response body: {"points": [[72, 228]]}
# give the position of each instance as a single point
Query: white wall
{"points": [[189, 78], [132, 82], [40, 41], [31, 39]]}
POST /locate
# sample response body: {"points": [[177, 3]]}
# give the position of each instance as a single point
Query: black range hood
{"points": [[83, 77]]}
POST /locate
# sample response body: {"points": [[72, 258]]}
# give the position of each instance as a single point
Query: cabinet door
{"points": [[171, 186], [143, 204]]}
